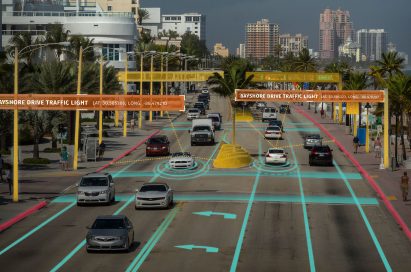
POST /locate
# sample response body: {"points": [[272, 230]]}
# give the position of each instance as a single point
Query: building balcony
{"points": [[65, 14]]}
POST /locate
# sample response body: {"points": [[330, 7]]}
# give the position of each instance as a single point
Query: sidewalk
{"points": [[388, 180], [54, 180]]}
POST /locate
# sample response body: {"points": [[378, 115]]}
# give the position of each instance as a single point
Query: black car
{"points": [[204, 97], [321, 155], [206, 103], [285, 109], [201, 107], [277, 123]]}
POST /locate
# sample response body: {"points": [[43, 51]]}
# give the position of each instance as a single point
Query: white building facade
{"points": [[373, 43], [194, 23], [292, 43], [111, 32]]}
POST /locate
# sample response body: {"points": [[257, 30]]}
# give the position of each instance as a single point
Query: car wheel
{"points": [[79, 204], [88, 250], [310, 163], [135, 207]]}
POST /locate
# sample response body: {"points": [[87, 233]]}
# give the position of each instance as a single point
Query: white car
{"points": [[273, 132], [275, 155], [152, 195], [181, 160], [193, 114], [204, 90]]}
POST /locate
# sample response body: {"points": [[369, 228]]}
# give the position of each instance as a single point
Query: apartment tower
{"points": [[261, 39]]}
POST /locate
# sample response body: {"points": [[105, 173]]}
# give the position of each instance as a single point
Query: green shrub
{"points": [[5, 152], [36, 161]]}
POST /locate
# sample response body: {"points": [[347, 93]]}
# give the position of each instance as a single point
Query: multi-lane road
{"points": [[277, 218]]}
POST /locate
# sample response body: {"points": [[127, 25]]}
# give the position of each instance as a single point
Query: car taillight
{"points": [[283, 156], [267, 155]]}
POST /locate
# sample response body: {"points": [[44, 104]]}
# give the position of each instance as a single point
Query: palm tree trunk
{"points": [[396, 140], [409, 128], [3, 142]]}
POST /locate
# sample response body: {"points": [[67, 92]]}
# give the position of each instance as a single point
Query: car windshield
{"points": [[157, 140], [153, 188], [94, 181], [181, 154], [269, 110], [273, 128], [214, 118], [109, 224], [276, 123], [201, 128], [275, 151], [193, 111]]}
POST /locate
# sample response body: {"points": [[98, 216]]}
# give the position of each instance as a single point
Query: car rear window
{"points": [[269, 110], [214, 118], [109, 224], [94, 181], [273, 128], [313, 137], [157, 140], [153, 188], [193, 111], [322, 149], [275, 151]]}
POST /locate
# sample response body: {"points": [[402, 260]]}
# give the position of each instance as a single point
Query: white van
{"points": [[269, 114]]}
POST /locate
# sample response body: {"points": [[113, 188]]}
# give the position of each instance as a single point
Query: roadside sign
{"points": [[352, 108]]}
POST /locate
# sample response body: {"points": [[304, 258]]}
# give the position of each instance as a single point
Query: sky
{"points": [[226, 19]]}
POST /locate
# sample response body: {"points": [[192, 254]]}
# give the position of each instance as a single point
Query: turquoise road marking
{"points": [[83, 243], [145, 251], [211, 173], [28, 234], [332, 200], [237, 252], [210, 213], [364, 217], [191, 247], [305, 215], [286, 129]]}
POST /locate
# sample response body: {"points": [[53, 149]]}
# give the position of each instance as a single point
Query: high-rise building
{"points": [[241, 51], [292, 43], [261, 39], [335, 29], [373, 43], [221, 50], [194, 23]]}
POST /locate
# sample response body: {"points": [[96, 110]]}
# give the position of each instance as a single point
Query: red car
{"points": [[158, 145]]}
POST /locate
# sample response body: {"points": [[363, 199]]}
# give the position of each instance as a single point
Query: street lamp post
{"points": [[125, 93], [367, 131], [16, 115], [100, 120], [151, 84]]}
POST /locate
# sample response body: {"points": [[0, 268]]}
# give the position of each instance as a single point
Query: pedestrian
{"points": [[101, 149], [404, 186], [132, 124], [1, 168], [356, 143], [9, 178], [377, 147], [322, 112], [64, 158]]}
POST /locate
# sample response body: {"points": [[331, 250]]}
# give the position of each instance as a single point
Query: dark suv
{"points": [[201, 107], [277, 123], [285, 109], [321, 155], [158, 145]]}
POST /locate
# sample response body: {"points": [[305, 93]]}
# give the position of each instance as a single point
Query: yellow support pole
{"points": [[100, 122], [386, 130], [77, 121], [355, 124], [367, 136], [116, 118], [140, 113], [125, 93], [16, 130], [340, 112], [161, 83], [151, 84]]}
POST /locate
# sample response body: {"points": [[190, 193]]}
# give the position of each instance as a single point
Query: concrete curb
{"points": [[22, 215], [128, 151], [365, 174]]}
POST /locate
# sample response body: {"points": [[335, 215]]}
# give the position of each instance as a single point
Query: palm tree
{"points": [[142, 14], [6, 116], [56, 34], [23, 40], [304, 62], [234, 78], [390, 63], [288, 63], [399, 88], [77, 41]]}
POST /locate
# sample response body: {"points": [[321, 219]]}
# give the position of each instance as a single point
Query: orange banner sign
{"points": [[309, 95], [92, 102]]}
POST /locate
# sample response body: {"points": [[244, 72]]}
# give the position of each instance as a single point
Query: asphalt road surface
{"points": [[293, 217]]}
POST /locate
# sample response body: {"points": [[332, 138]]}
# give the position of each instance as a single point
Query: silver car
{"points": [[111, 232], [96, 188], [181, 160], [312, 140], [154, 195]]}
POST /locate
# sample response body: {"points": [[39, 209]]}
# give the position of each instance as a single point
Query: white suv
{"points": [[193, 114], [269, 114], [96, 188]]}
